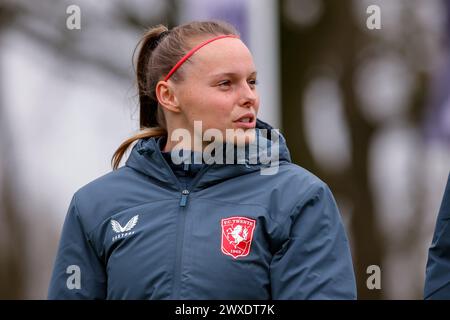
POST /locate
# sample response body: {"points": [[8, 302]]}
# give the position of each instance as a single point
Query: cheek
{"points": [[213, 109], [217, 117]]}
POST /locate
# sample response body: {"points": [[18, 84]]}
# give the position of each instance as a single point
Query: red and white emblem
{"points": [[237, 235]]}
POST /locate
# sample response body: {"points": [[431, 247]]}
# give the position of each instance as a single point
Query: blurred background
{"points": [[365, 109]]}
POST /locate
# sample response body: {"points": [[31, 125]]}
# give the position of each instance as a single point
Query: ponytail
{"points": [[151, 121], [143, 134]]}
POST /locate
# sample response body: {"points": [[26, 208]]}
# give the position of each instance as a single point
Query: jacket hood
{"points": [[266, 154]]}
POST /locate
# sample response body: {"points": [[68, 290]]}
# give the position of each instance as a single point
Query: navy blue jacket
{"points": [[232, 233], [437, 280]]}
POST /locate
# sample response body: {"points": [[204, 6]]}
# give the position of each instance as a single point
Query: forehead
{"points": [[228, 55]]}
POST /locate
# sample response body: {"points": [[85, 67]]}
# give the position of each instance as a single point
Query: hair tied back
{"points": [[159, 38]]}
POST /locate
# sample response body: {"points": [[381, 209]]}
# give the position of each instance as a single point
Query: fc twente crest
{"points": [[237, 235]]}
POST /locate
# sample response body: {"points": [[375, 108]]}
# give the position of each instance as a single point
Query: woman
{"points": [[161, 228]]}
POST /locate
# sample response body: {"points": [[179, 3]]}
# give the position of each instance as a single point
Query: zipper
{"points": [[184, 197], [181, 224], [176, 284]]}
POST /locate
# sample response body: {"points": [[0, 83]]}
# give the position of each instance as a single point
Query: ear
{"points": [[165, 93]]}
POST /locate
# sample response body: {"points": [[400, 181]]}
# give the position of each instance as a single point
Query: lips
{"points": [[247, 120]]}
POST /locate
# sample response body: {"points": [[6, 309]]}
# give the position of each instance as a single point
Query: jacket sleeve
{"points": [[315, 261], [78, 273], [437, 278]]}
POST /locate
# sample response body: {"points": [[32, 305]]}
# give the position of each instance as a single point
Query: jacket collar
{"points": [[146, 157]]}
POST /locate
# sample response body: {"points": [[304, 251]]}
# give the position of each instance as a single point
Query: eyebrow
{"points": [[231, 74]]}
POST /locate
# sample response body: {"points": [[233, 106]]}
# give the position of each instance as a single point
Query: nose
{"points": [[248, 96]]}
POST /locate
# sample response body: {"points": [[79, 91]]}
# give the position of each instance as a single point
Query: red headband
{"points": [[193, 50]]}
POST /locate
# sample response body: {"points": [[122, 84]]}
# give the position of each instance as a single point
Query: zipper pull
{"points": [[184, 196]]}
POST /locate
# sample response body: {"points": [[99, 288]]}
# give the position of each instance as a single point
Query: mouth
{"points": [[247, 120]]}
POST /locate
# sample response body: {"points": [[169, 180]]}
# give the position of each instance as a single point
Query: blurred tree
{"points": [[336, 41], [12, 237]]}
